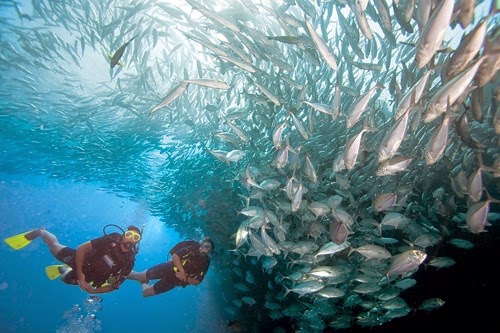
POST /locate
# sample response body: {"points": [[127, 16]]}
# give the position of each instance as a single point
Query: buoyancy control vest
{"points": [[108, 262]]}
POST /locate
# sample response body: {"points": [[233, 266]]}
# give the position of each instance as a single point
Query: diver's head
{"points": [[131, 237], [207, 246]]}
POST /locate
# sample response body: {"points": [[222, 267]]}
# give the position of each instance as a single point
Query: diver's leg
{"points": [[48, 238], [138, 276], [69, 276], [166, 283]]}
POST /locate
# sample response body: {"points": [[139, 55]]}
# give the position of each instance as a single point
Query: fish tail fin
{"points": [[489, 197], [379, 85], [409, 243], [351, 250], [286, 291]]}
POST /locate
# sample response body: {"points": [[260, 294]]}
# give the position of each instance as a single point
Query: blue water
{"points": [[75, 213]]}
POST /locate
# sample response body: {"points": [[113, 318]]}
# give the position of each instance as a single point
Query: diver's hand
{"points": [[85, 286], [181, 276]]}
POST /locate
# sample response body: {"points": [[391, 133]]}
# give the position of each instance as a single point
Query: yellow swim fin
{"points": [[19, 241], [54, 271]]}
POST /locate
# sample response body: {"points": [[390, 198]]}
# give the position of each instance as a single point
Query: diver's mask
{"points": [[132, 235], [133, 238], [207, 245]]}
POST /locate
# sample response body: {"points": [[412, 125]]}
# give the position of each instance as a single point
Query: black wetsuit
{"points": [[105, 261], [194, 262]]}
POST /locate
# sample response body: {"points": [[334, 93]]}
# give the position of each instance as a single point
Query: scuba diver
{"points": [[97, 266], [189, 264]]}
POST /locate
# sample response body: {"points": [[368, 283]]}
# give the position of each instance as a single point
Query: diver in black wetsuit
{"points": [[97, 266], [189, 265]]}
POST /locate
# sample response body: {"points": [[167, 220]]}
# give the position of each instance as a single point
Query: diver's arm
{"points": [[81, 252], [102, 290], [181, 274], [192, 281]]}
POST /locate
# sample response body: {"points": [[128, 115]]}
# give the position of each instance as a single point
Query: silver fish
{"points": [[299, 126], [433, 33], [423, 12], [322, 47], [268, 94], [318, 208], [297, 198], [475, 186], [305, 288], [241, 64], [331, 248], [450, 92], [488, 69], [384, 201], [371, 251], [215, 16], [235, 155], [277, 135], [309, 170], [466, 51], [241, 234], [324, 108], [393, 165], [326, 271], [384, 14], [465, 12], [209, 83], [330, 292], [441, 262], [351, 150], [338, 232], [393, 139], [239, 132], [431, 304], [406, 262], [437, 143], [175, 93], [359, 13], [412, 97], [358, 107], [477, 216]]}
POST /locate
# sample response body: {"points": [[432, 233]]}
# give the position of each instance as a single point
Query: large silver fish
{"points": [[393, 165], [305, 288], [175, 93], [322, 47], [352, 148], [393, 139], [437, 143], [477, 215], [450, 92], [359, 106], [466, 51], [433, 33], [406, 262], [372, 251]]}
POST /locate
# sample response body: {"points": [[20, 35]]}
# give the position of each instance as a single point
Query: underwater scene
{"points": [[342, 155]]}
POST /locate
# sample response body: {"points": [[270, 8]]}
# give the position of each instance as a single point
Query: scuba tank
{"points": [[185, 243]]}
